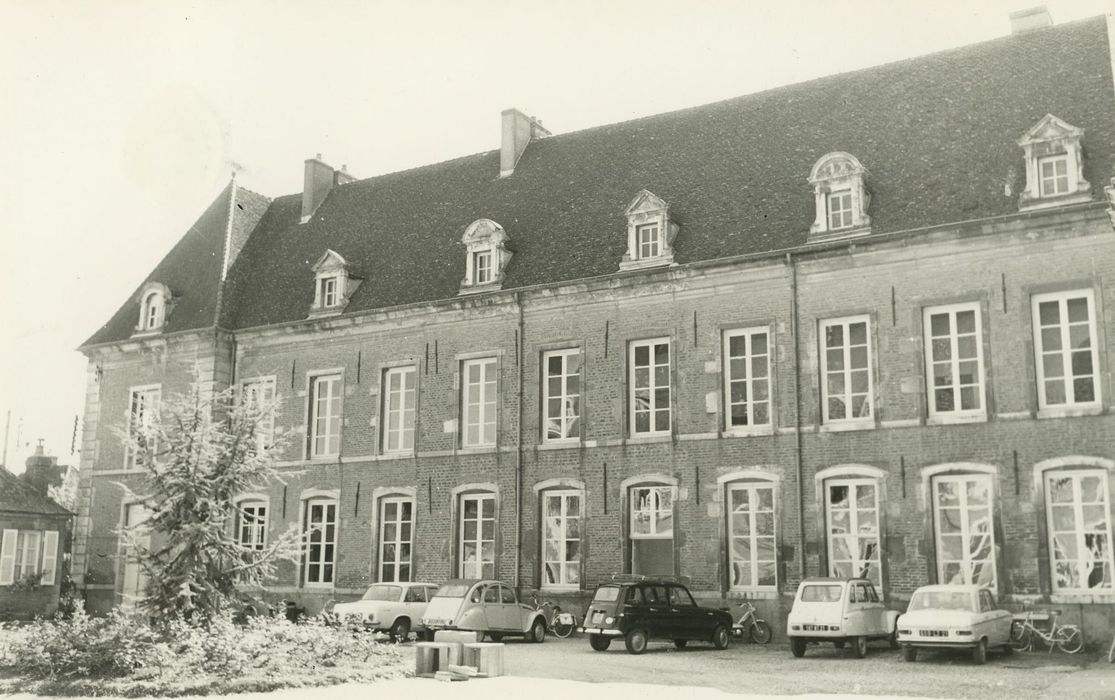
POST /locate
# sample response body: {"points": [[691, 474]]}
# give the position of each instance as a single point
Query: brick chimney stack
{"points": [[518, 130], [1030, 20], [320, 178], [42, 471]]}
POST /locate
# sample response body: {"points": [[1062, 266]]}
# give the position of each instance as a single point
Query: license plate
{"points": [[933, 633], [597, 616], [815, 628]]}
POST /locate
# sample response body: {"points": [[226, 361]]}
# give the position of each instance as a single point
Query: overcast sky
{"points": [[121, 120]]}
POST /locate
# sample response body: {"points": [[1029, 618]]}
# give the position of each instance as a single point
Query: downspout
{"points": [[794, 326], [519, 452]]}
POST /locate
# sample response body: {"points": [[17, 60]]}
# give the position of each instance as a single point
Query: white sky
{"points": [[120, 120]]}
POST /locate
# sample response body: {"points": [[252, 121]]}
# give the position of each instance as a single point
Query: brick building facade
{"points": [[860, 325]]}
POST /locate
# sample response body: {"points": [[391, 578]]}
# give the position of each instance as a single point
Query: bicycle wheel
{"points": [[1069, 639], [761, 632], [562, 626], [1019, 635]]}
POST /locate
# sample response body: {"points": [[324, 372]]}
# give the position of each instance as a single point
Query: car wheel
{"points": [[400, 631], [839, 643], [910, 653], [680, 643], [636, 641], [721, 637], [599, 642], [797, 647], [979, 652], [859, 647], [893, 639], [495, 636], [537, 633], [761, 633]]}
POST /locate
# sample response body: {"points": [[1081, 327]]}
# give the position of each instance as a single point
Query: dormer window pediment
{"points": [[333, 285], [155, 302], [486, 256], [840, 196], [1054, 165], [650, 233]]}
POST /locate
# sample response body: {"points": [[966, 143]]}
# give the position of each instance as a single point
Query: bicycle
{"points": [[1067, 638], [758, 630], [560, 623]]}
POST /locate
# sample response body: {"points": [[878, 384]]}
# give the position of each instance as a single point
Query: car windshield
{"points": [[941, 600], [456, 590], [382, 593], [829, 593], [606, 594]]}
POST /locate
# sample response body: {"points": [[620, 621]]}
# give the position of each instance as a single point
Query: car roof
{"points": [[833, 580], [954, 587]]}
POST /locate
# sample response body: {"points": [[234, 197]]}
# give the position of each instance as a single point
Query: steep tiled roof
{"points": [[937, 135], [16, 495]]}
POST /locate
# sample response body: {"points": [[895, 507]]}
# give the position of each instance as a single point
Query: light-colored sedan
{"points": [[395, 608], [488, 607], [951, 616]]}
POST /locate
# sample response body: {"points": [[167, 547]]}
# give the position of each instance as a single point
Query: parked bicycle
{"points": [[1067, 638], [757, 629], [558, 622]]}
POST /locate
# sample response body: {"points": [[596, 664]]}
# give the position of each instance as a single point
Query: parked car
{"points": [[839, 611], [951, 616], [488, 607], [395, 608], [641, 609]]}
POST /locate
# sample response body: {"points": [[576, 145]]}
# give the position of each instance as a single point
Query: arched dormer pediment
{"points": [[841, 198], [486, 256], [155, 302], [1054, 157], [650, 233], [333, 284]]}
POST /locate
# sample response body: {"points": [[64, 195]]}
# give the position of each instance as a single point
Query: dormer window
{"points": [[333, 285], [154, 300], [328, 292], [650, 233], [486, 257], [1054, 165], [841, 197]]}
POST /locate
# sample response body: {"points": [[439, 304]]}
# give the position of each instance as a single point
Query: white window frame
{"points": [[1080, 530], [152, 311], [322, 561], [965, 531], [480, 402], [833, 176], [252, 518], [28, 553], [1065, 353], [854, 538], [652, 387], [840, 209], [148, 395], [482, 266], [320, 434], [652, 513], [329, 293], [752, 488], [479, 562], [958, 414], [1048, 185], [561, 536], [750, 381], [648, 241], [847, 395], [568, 420], [256, 391], [397, 424], [395, 567]]}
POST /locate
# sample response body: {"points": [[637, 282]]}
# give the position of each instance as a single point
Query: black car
{"points": [[652, 608]]}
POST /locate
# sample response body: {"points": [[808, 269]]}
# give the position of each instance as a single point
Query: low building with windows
{"points": [[860, 325]]}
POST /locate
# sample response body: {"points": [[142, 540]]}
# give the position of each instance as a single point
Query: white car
{"points": [[840, 611], [951, 616], [396, 608]]}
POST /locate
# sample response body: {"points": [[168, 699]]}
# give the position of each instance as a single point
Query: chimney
{"points": [[42, 471], [1024, 21], [518, 130], [320, 178]]}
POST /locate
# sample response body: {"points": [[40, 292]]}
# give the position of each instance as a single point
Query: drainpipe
{"points": [[519, 452], [797, 409]]}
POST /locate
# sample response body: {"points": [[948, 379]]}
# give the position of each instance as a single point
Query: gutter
{"points": [[798, 461], [519, 450]]}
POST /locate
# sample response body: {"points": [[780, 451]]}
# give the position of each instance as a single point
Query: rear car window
{"points": [[941, 600], [821, 593], [382, 593], [457, 590], [606, 594]]}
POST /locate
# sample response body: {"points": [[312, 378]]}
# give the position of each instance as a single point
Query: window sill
{"points": [[753, 593], [1083, 597], [322, 458], [409, 454], [644, 263], [318, 586], [843, 426], [756, 431], [1070, 412], [559, 445], [478, 450], [648, 439], [959, 419], [560, 589]]}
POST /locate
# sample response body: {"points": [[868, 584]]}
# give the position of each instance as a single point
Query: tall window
{"points": [[326, 394], [143, 411], [21, 556], [251, 529], [153, 311], [751, 535], [482, 266], [840, 209], [396, 538], [1079, 518], [133, 586], [561, 538], [747, 377], [328, 292], [319, 533], [954, 361], [477, 527], [652, 530], [27, 554], [1053, 175], [647, 241], [1064, 341], [261, 393], [561, 394], [650, 386], [846, 369], [398, 409], [852, 523], [478, 402], [962, 510]]}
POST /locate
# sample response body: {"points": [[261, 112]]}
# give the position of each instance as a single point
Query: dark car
{"points": [[652, 608]]}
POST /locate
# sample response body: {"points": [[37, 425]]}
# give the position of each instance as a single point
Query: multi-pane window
{"points": [[153, 311], [251, 529], [652, 530], [328, 292], [259, 394], [954, 360], [846, 369], [647, 241], [27, 554], [650, 386], [963, 525], [747, 377], [478, 402], [751, 535], [396, 538], [477, 527], [561, 538], [840, 209], [1064, 342], [319, 533], [482, 267], [326, 394], [1079, 517], [133, 584], [1053, 175], [561, 394], [398, 409], [143, 410], [852, 523]]}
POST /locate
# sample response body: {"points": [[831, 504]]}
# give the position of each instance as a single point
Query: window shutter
{"points": [[50, 557], [7, 557]]}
